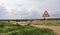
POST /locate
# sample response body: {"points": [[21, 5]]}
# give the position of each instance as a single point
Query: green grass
{"points": [[16, 29]]}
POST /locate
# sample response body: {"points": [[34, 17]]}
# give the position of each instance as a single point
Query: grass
{"points": [[16, 29], [48, 23], [51, 24]]}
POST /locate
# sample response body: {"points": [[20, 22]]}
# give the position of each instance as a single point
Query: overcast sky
{"points": [[28, 9]]}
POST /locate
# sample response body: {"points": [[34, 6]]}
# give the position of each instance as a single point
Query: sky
{"points": [[28, 9]]}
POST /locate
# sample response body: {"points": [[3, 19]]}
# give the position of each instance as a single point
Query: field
{"points": [[17, 29]]}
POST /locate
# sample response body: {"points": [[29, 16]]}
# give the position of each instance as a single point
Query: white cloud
{"points": [[28, 8]]}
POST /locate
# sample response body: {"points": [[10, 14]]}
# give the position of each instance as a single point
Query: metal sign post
{"points": [[45, 21], [45, 15]]}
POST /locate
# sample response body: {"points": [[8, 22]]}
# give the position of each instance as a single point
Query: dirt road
{"points": [[55, 28]]}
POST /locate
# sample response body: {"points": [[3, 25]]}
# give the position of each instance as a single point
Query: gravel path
{"points": [[55, 28]]}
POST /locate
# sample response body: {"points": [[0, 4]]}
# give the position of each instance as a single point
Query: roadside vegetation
{"points": [[17, 29]]}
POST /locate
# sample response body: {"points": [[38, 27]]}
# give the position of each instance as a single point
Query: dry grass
{"points": [[55, 28]]}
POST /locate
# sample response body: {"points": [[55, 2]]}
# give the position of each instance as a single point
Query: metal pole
{"points": [[45, 21]]}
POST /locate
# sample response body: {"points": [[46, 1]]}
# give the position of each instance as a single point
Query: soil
{"points": [[54, 28]]}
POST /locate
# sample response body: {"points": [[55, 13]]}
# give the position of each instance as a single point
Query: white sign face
{"points": [[46, 14]]}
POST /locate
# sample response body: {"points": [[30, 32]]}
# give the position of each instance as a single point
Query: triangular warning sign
{"points": [[46, 14]]}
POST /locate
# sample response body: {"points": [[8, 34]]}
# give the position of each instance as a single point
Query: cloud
{"points": [[56, 14], [2, 12], [28, 9]]}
